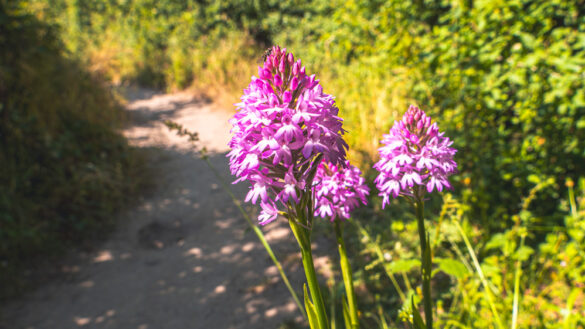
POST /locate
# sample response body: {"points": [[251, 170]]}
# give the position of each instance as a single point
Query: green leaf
{"points": [[416, 318], [523, 253], [452, 267], [346, 316], [528, 39], [534, 179], [496, 242], [570, 304], [311, 313], [402, 265]]}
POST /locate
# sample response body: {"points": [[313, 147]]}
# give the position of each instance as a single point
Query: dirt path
{"points": [[182, 258]]}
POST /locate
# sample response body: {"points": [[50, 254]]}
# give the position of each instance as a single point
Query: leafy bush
{"points": [[505, 77], [65, 169]]}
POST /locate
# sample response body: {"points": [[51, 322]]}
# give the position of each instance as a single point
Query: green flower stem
{"points": [[331, 284], [314, 288], [482, 278], [517, 276], [406, 281], [303, 236], [426, 262], [347, 276]]}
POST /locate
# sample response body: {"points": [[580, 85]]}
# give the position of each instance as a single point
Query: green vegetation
{"points": [[504, 78], [65, 169]]}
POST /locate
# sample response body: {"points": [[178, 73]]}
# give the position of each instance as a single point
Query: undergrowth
{"points": [[65, 168]]}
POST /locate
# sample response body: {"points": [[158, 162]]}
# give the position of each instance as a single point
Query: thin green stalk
{"points": [[406, 281], [480, 272], [347, 276], [460, 254], [517, 287], [303, 237], [259, 234], [380, 254], [383, 322], [426, 263], [393, 280], [331, 284], [314, 288], [572, 201], [455, 300]]}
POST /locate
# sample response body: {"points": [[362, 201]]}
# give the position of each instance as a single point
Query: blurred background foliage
{"points": [[504, 79], [64, 167]]}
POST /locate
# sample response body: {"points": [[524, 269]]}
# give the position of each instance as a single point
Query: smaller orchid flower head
{"points": [[284, 126], [416, 158], [338, 190]]}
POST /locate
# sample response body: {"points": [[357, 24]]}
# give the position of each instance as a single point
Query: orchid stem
{"points": [[426, 263], [347, 276], [303, 236]]}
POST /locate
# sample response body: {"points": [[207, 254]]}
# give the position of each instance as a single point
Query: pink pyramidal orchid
{"points": [[415, 158], [283, 127], [338, 190]]}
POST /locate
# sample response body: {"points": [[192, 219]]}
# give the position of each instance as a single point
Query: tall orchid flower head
{"points": [[338, 190], [416, 158], [283, 127]]}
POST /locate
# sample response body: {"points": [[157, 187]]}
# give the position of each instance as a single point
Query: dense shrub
{"points": [[505, 78], [152, 42], [65, 169]]}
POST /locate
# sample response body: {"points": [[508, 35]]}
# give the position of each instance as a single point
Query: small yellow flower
{"points": [[569, 183]]}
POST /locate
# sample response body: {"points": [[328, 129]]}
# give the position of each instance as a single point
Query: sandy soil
{"points": [[183, 257]]}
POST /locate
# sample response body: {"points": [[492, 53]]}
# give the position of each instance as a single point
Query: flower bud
{"points": [[282, 65], [295, 69], [264, 74], [294, 83], [277, 80]]}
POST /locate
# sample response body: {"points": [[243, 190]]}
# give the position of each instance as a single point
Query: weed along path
{"points": [[182, 257]]}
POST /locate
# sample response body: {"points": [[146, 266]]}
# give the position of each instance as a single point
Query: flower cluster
{"points": [[415, 155], [284, 120], [338, 190]]}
